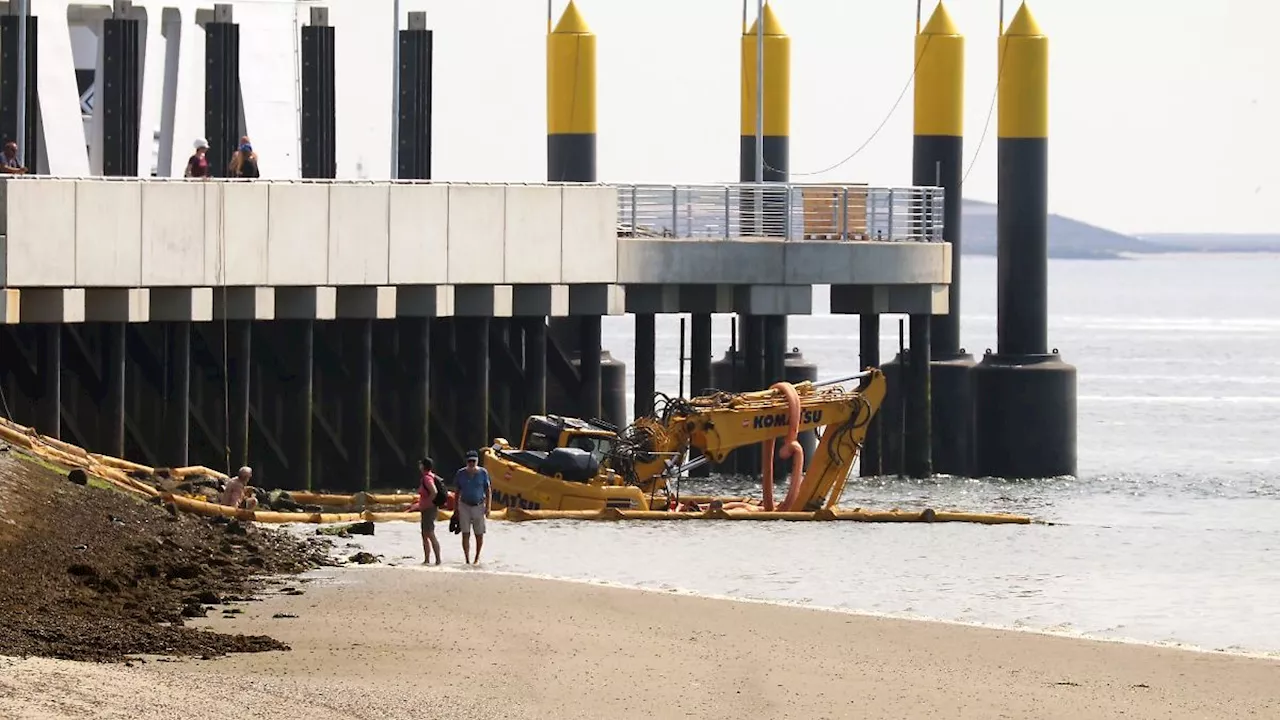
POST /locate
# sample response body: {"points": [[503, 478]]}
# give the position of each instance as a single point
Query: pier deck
{"points": [[154, 249]]}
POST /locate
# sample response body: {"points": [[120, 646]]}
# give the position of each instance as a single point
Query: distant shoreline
{"points": [[1072, 239], [1108, 254]]}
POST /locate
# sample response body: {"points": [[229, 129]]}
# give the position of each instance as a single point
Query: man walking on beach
{"points": [[473, 487]]}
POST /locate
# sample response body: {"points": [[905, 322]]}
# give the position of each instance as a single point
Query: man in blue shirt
{"points": [[472, 507]]}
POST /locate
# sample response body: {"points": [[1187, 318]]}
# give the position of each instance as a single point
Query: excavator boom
{"points": [[718, 424]]}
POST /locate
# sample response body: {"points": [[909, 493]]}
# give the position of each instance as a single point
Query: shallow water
{"points": [[1168, 535]]}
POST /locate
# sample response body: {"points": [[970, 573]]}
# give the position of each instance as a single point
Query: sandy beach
{"points": [[398, 643]]}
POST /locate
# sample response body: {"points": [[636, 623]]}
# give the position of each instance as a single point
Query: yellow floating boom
{"points": [[120, 473]]}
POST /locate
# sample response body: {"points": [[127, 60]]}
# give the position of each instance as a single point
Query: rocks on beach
{"points": [[96, 574]]}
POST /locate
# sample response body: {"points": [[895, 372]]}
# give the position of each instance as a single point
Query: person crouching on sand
{"points": [[473, 486], [431, 497]]}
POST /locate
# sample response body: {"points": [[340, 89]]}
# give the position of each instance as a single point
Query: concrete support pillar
{"points": [[775, 349], [753, 337], [301, 366], [116, 336], [359, 341], [700, 354], [473, 349], [418, 347], [500, 383], [239, 371], [869, 356], [535, 365], [589, 341], [49, 415], [178, 395], [918, 460], [645, 358]]}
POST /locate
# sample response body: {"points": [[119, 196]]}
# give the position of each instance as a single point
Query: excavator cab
{"points": [[573, 449], [544, 433]]}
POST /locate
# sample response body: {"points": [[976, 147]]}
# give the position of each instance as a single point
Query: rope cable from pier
{"points": [[986, 126], [876, 132], [222, 280]]}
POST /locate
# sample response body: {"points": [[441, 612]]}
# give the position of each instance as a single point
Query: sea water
{"points": [[1168, 535]]}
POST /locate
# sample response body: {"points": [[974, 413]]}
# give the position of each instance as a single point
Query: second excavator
{"points": [[572, 464]]}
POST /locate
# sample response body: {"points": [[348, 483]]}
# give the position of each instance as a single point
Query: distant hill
{"points": [[1190, 242], [1067, 238]]}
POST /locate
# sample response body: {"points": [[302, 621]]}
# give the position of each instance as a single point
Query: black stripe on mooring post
{"points": [[9, 85], [121, 97], [319, 103], [414, 154], [571, 157], [777, 158], [222, 124], [1022, 246], [937, 159]]}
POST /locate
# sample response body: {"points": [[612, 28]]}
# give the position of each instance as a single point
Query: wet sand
{"points": [[397, 643]]}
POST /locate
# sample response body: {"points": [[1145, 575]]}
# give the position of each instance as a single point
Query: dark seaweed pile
{"points": [[88, 573]]}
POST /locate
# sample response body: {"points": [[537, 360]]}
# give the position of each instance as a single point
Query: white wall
{"points": [[112, 233], [269, 76]]}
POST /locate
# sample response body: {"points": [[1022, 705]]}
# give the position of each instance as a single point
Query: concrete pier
{"points": [[326, 335]]}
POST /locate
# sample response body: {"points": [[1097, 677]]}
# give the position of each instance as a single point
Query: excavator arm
{"points": [[718, 424]]}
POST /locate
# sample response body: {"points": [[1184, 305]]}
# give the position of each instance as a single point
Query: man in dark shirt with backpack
{"points": [[432, 496]]}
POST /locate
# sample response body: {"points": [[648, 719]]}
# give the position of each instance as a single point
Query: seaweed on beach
{"points": [[91, 573]]}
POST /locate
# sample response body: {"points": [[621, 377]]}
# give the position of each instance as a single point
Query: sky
{"points": [[1162, 114]]}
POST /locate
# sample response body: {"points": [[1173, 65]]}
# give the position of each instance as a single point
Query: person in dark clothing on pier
{"points": [[9, 165], [198, 163], [244, 163]]}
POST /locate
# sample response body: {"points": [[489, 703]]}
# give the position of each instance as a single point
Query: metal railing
{"points": [[786, 211]]}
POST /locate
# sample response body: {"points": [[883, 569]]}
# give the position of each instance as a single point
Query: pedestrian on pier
{"points": [[9, 164], [474, 490], [198, 163], [244, 163]]}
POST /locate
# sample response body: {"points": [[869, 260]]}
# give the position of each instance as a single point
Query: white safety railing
{"points": [[786, 211]]}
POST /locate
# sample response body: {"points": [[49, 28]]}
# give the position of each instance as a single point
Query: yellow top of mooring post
{"points": [[772, 28], [939, 86], [940, 23], [1023, 110], [571, 75], [571, 22], [777, 78], [1023, 24]]}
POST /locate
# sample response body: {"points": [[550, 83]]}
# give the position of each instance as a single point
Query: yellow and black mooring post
{"points": [[1024, 395], [571, 157], [765, 99], [777, 110], [938, 380], [571, 99]]}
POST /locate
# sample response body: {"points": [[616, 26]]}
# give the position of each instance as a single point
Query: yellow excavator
{"points": [[572, 464]]}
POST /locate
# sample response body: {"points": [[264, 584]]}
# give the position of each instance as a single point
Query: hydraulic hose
{"points": [[792, 450]]}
